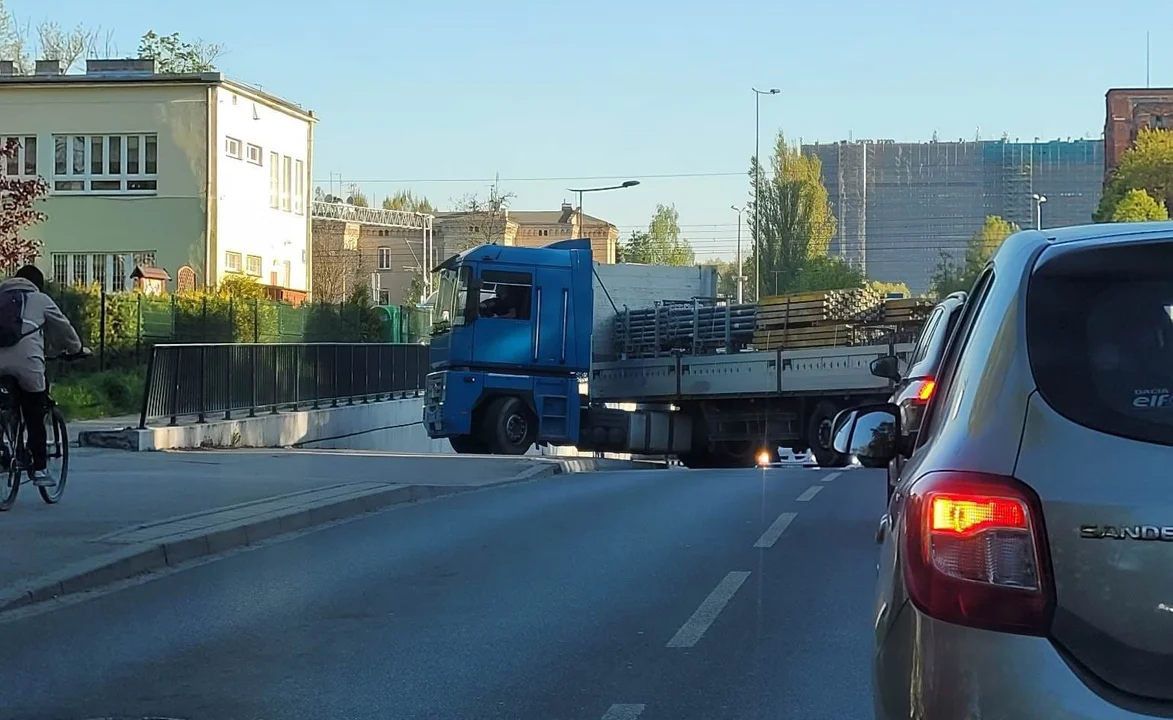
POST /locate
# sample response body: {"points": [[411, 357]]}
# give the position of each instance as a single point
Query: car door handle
{"points": [[882, 530]]}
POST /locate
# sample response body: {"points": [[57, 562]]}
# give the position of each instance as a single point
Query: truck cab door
{"points": [[506, 341], [554, 318]]}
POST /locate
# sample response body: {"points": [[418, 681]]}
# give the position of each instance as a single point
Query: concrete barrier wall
{"points": [[389, 425]]}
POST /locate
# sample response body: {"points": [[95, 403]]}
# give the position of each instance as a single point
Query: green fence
{"points": [[121, 327]]}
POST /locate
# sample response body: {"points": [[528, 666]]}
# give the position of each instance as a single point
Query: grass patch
{"points": [[98, 395]]}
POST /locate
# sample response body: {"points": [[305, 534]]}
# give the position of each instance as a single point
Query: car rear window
{"points": [[1100, 337]]}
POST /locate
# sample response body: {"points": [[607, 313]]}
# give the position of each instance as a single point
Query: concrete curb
{"points": [[125, 563]]}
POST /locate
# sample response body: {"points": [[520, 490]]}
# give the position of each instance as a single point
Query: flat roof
{"points": [[207, 78]]}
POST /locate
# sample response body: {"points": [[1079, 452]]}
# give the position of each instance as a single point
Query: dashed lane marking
{"points": [[832, 476], [772, 533], [695, 627], [623, 712], [809, 493]]}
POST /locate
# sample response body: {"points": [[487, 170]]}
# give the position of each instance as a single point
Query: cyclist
{"points": [[25, 312]]}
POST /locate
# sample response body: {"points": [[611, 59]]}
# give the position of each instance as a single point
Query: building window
{"points": [[288, 274], [24, 162], [298, 186], [274, 181], [254, 154], [384, 258], [106, 269], [286, 182], [232, 148], [254, 265], [384, 297], [232, 262], [106, 164]]}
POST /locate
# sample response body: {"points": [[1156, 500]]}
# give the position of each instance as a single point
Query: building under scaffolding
{"points": [[900, 205]]}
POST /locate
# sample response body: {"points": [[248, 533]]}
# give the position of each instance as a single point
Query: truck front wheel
{"points": [[508, 426], [467, 444]]}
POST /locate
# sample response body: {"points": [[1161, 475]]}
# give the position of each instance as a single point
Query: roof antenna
{"points": [[1148, 65]]}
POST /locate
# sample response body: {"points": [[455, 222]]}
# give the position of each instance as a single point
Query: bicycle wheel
{"points": [[58, 455], [12, 477]]}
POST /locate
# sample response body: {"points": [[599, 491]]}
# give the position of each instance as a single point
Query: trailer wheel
{"points": [[819, 435], [509, 426], [467, 445]]}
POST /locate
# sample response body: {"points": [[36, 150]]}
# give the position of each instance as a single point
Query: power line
{"points": [[373, 181]]}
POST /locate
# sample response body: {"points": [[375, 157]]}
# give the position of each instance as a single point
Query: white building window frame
{"points": [[254, 154], [110, 268], [253, 265], [384, 257], [233, 262], [234, 148], [299, 187], [105, 164], [274, 181], [286, 183], [24, 165]]}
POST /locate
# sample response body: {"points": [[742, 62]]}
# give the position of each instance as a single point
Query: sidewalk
{"points": [[128, 513]]}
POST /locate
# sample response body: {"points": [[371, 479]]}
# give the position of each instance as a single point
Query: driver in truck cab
{"points": [[503, 304]]}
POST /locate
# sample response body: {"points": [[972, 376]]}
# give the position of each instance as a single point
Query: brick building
{"points": [[1130, 110]]}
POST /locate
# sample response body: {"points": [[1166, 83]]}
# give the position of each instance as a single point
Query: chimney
{"points": [[567, 207], [7, 68], [140, 67], [48, 68]]}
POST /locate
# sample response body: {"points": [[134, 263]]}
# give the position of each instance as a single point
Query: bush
{"points": [[101, 394]]}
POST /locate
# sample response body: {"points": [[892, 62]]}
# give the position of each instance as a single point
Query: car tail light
{"points": [[924, 390], [976, 554]]}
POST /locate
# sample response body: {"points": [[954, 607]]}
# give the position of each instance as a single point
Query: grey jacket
{"points": [[26, 360]]}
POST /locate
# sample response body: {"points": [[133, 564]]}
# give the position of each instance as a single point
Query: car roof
{"points": [[1104, 231]]}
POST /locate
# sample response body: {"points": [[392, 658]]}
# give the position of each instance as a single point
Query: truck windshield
{"points": [[451, 297]]}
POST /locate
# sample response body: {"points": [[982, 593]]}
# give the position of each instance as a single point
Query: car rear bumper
{"points": [[930, 669]]}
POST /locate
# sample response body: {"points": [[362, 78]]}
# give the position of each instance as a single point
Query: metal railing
{"points": [[202, 380]]}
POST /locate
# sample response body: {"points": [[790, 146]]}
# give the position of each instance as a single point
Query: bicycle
{"points": [[12, 441]]}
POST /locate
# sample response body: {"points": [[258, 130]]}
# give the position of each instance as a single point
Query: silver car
{"points": [[1026, 568]]}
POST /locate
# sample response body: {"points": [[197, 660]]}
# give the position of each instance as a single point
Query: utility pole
{"points": [[757, 181]]}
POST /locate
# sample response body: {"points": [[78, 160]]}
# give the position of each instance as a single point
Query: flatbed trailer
{"points": [[501, 384]]}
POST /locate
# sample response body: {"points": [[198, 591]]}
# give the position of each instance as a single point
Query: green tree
{"points": [[174, 55], [951, 276], [1148, 166], [791, 221], [355, 196], [243, 287], [726, 276], [826, 273], [884, 288], [661, 244], [405, 200], [1138, 206]]}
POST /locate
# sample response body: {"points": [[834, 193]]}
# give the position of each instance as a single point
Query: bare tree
{"points": [[50, 41], [339, 265], [487, 219]]}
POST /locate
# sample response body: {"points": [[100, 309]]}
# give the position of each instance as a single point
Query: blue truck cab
{"points": [[512, 335]]}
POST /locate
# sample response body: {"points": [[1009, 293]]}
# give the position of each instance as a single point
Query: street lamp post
{"points": [[625, 184], [1039, 200], [740, 279], [757, 206]]}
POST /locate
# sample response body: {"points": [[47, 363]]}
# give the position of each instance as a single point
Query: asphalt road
{"points": [[657, 595]]}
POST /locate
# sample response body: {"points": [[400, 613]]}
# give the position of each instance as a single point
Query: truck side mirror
{"points": [[887, 367], [870, 433]]}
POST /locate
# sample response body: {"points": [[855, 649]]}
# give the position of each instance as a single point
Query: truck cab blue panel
{"points": [[555, 337], [452, 397]]}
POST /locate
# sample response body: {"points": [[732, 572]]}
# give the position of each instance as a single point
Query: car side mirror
{"points": [[887, 367], [870, 433]]}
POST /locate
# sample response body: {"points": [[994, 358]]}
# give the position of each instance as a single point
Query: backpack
{"points": [[12, 317]]}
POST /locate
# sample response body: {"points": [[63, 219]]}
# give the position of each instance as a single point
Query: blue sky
{"points": [[439, 96]]}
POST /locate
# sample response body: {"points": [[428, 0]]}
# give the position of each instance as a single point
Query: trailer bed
{"points": [[766, 373]]}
